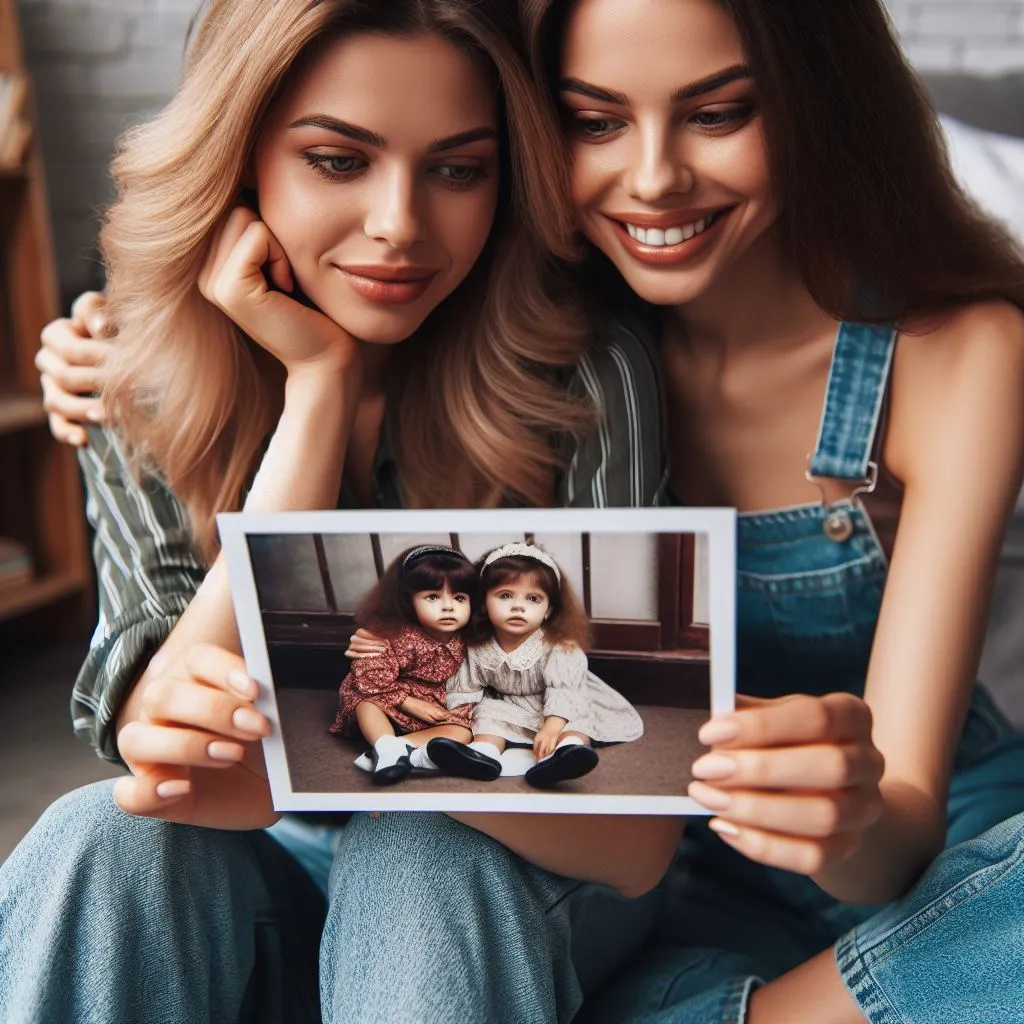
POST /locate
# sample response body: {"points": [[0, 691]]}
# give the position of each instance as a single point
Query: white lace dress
{"points": [[514, 692]]}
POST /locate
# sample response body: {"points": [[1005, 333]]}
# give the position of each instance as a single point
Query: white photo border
{"points": [[718, 524]]}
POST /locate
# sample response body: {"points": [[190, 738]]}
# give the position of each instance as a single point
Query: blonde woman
{"points": [[331, 180]]}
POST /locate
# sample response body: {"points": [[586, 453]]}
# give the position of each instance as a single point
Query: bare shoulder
{"points": [[957, 385]]}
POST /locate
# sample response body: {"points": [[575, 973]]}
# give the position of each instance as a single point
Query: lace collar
{"points": [[525, 656]]}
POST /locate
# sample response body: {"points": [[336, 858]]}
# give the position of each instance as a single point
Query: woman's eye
{"points": [[722, 118], [460, 176], [596, 127], [334, 167]]}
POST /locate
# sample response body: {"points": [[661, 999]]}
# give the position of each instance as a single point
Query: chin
{"points": [[665, 289], [386, 327]]}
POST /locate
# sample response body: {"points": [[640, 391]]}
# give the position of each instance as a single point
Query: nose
{"points": [[660, 168], [393, 217]]}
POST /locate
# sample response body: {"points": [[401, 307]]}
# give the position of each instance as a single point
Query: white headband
{"points": [[524, 551]]}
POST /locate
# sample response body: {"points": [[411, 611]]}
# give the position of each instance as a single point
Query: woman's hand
{"points": [[364, 644], [794, 781], [233, 279], [425, 711], [546, 738], [194, 746], [70, 365]]}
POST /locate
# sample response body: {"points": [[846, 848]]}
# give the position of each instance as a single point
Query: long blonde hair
{"points": [[474, 397]]}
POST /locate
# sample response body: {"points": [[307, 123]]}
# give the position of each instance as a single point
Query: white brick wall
{"points": [[100, 64]]}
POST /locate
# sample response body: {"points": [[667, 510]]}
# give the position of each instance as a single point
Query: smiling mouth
{"points": [[668, 243]]}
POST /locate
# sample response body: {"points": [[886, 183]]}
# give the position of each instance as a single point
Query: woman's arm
{"points": [[865, 833], [956, 440], [184, 698]]}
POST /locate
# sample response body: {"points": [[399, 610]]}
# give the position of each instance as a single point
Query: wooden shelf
{"points": [[19, 412], [41, 490], [38, 592]]}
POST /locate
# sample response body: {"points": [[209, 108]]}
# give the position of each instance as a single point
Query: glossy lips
{"points": [[695, 232], [389, 284]]}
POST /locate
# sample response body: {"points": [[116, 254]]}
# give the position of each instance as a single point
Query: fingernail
{"points": [[172, 787], [219, 750], [241, 683], [94, 415], [713, 799], [157, 663], [718, 730], [249, 721], [724, 828], [713, 766]]}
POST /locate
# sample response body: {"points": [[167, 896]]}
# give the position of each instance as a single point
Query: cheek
{"points": [[591, 169], [463, 229]]}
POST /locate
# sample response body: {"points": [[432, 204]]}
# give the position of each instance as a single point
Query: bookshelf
{"points": [[40, 493]]}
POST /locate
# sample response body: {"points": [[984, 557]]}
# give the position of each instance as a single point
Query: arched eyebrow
{"points": [[368, 138], [686, 92]]}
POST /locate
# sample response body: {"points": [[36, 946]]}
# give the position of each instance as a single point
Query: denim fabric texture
{"points": [[807, 607]]}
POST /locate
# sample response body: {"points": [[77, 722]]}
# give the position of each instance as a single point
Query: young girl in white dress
{"points": [[529, 678]]}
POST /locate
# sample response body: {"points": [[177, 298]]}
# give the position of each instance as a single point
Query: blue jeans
{"points": [[111, 918], [108, 917]]}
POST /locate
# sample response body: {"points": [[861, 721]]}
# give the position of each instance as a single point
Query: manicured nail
{"points": [[712, 799], [220, 750], [94, 415], [718, 730], [249, 721], [724, 828], [713, 766], [241, 683], [172, 788]]}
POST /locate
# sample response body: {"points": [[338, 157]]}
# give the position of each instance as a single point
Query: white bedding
{"points": [[990, 167]]}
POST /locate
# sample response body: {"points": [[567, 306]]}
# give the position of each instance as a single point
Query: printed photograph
{"points": [[496, 665]]}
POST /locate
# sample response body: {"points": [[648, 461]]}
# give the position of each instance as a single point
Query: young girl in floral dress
{"points": [[529, 679], [396, 702]]}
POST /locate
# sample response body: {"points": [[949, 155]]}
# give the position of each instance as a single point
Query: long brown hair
{"points": [[870, 210], [567, 622], [473, 396]]}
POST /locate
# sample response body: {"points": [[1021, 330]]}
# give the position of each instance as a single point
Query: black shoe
{"points": [[393, 773], [568, 762], [459, 759]]}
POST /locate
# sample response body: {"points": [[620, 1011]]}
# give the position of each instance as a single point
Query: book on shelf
{"points": [[15, 564]]}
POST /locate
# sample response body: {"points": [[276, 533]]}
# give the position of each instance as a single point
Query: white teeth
{"points": [[671, 236]]}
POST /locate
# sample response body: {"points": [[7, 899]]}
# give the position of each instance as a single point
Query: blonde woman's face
{"points": [[378, 174], [670, 167]]}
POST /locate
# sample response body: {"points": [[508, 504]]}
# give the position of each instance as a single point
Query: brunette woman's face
{"points": [[378, 173], [670, 167]]}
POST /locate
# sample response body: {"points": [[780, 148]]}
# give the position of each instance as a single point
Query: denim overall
{"points": [[809, 592]]}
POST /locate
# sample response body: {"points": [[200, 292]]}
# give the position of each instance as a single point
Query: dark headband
{"points": [[425, 551]]}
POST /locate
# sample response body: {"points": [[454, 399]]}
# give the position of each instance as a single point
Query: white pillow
{"points": [[990, 167]]}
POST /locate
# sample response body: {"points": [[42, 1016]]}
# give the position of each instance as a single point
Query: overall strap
{"points": [[853, 401]]}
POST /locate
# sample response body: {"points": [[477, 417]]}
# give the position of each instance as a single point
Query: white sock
{"points": [[567, 742], [389, 749], [486, 748], [419, 758]]}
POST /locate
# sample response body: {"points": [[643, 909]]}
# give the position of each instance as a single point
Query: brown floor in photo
{"points": [[657, 764]]}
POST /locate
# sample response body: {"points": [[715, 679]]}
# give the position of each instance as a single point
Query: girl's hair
{"points": [[474, 394], [869, 209], [567, 622], [388, 607]]}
